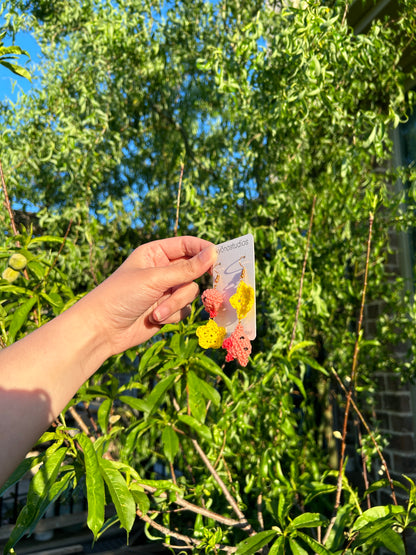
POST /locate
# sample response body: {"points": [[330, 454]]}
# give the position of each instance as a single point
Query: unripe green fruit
{"points": [[10, 275], [17, 261]]}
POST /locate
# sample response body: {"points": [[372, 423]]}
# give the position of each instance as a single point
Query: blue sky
{"points": [[10, 83]]}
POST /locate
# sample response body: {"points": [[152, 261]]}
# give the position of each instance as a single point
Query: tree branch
{"points": [[7, 202], [178, 202], [199, 510], [246, 525], [186, 539]]}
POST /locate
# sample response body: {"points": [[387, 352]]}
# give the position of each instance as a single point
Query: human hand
{"points": [[153, 287]]}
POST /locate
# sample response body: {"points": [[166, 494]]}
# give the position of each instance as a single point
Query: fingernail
{"points": [[161, 313], [209, 254]]}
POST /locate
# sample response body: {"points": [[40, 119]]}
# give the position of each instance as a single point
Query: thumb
{"points": [[179, 277]]}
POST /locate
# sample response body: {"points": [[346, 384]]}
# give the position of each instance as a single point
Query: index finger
{"points": [[164, 251]]}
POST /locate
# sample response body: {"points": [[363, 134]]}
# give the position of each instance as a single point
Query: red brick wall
{"points": [[395, 408]]}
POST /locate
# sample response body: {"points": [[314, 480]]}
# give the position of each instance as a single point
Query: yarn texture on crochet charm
{"points": [[235, 278]]}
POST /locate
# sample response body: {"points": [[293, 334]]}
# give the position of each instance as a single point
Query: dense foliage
{"points": [[282, 120]]}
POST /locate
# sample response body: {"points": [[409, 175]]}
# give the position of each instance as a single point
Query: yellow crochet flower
{"points": [[242, 300], [211, 335]]}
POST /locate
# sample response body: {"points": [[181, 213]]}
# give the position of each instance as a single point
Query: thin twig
{"points": [[371, 435], [80, 422], [364, 460], [353, 382], [351, 389], [186, 539], [344, 17], [187, 505], [172, 473], [11, 215], [227, 494], [7, 203], [221, 450], [178, 202], [166, 531], [259, 511], [305, 259], [55, 260], [209, 514], [90, 417]]}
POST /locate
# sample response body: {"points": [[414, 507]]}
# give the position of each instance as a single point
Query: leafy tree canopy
{"points": [[282, 119]]}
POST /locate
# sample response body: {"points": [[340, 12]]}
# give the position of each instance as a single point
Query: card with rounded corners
{"points": [[234, 256]]}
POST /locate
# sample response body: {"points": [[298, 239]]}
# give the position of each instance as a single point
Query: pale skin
{"points": [[40, 373]]}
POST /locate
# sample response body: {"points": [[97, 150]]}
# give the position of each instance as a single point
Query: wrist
{"points": [[91, 345]]}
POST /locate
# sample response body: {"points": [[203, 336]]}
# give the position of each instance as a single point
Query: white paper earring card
{"points": [[235, 263]]}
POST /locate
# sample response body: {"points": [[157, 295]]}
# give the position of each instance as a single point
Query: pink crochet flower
{"points": [[212, 300], [238, 345]]}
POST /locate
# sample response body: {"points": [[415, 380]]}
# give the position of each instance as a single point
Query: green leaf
{"points": [[392, 541], [313, 364], [254, 543], [307, 520], [45, 239], [384, 483], [209, 392], [150, 357], [161, 485], [108, 524], [43, 490], [296, 548], [154, 400], [20, 471], [37, 268], [316, 546], [53, 302], [201, 429], [283, 507], [337, 535], [141, 499], [103, 414], [170, 443], [196, 399], [298, 382], [133, 433], [205, 363], [371, 137], [278, 547], [377, 515], [375, 525], [16, 69], [121, 496], [301, 345], [95, 485], [20, 317], [134, 403]]}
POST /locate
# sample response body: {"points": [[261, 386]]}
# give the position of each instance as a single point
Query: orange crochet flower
{"points": [[238, 346], [242, 300], [211, 335], [212, 300]]}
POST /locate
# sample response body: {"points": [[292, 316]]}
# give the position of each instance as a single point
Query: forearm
{"points": [[38, 377], [40, 373]]}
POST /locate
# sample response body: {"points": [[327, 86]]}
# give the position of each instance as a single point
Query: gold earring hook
{"points": [[217, 277], [243, 271]]}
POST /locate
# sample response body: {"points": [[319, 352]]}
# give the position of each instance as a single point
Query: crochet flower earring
{"points": [[211, 335], [212, 299], [243, 298], [238, 345]]}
